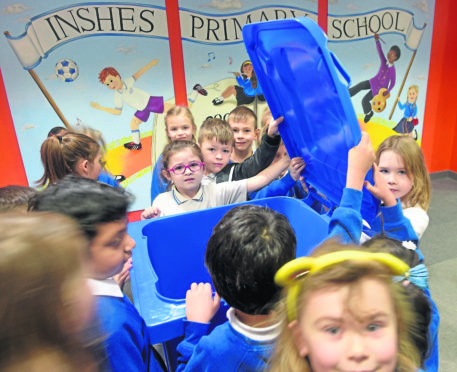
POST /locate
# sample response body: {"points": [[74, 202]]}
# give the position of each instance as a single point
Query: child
{"points": [[344, 313], [246, 248], [385, 78], [101, 211], [46, 302], [409, 120], [244, 125], [15, 197], [124, 92], [184, 167], [247, 89], [216, 140], [416, 286], [71, 153], [401, 163], [179, 126], [346, 222]]}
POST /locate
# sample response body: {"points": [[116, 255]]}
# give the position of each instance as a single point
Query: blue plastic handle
{"points": [[341, 69]]}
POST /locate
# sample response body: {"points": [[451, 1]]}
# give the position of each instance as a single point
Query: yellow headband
{"points": [[289, 274], [246, 63]]}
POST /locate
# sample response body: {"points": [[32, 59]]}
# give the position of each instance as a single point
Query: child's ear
{"points": [[166, 174], [298, 338], [82, 167]]}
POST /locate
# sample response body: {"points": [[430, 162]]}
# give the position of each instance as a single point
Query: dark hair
{"points": [[396, 50], [248, 245], [415, 295], [57, 130], [15, 196], [89, 202]]}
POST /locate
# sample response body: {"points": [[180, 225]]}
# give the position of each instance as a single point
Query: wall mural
{"points": [[106, 65]]}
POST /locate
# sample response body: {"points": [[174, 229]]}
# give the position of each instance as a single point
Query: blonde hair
{"points": [[286, 356], [213, 128], [40, 256], [408, 149], [243, 113], [180, 111]]}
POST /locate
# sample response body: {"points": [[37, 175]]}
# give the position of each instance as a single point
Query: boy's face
{"points": [[215, 155], [113, 82], [245, 134], [391, 56], [109, 249]]}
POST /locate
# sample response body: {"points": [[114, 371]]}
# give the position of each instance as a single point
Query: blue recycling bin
{"points": [[169, 256]]}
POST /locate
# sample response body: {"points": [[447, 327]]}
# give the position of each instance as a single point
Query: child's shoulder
{"points": [[116, 313]]}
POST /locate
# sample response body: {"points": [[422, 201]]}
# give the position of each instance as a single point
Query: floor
{"points": [[439, 246]]}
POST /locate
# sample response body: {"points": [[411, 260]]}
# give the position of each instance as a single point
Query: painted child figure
{"points": [[409, 121], [101, 212], [246, 248], [343, 312], [385, 78], [248, 87], [142, 102], [125, 92]]}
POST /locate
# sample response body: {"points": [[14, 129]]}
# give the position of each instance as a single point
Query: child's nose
{"points": [[187, 171], [129, 244]]}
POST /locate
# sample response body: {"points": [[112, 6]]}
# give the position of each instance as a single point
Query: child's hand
{"points": [[200, 305], [273, 126], [124, 275], [376, 36], [360, 160], [380, 189], [151, 212], [295, 167], [95, 105]]}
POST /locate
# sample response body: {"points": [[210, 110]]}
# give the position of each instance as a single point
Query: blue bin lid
{"points": [[300, 79]]}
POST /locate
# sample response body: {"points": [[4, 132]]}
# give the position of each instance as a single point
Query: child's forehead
{"points": [[110, 77], [214, 140], [244, 122]]}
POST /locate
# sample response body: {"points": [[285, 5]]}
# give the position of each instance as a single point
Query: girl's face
{"points": [[189, 182], [247, 69], [412, 96], [393, 169], [179, 128], [349, 328]]}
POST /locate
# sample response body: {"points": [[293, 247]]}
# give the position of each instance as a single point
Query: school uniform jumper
{"points": [[127, 338], [253, 165], [232, 346]]}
